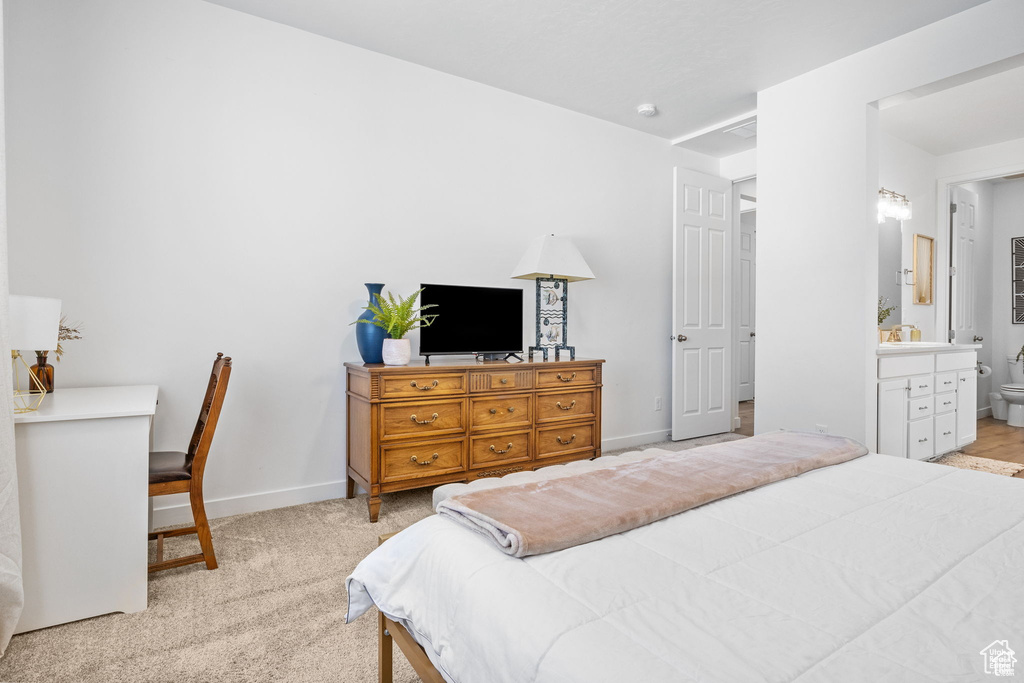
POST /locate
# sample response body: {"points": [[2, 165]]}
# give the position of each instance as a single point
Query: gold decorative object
{"points": [[924, 250]]}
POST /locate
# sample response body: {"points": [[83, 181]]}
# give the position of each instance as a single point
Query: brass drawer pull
{"points": [[415, 386], [424, 462], [423, 422], [499, 452], [566, 380], [504, 380], [568, 407], [511, 409], [494, 411], [565, 443]]}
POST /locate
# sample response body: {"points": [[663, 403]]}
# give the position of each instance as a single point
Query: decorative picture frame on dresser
{"points": [[417, 425]]}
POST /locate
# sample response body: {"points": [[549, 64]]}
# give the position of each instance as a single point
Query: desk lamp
{"points": [[35, 323]]}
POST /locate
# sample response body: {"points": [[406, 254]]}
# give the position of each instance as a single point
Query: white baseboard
{"points": [[225, 507], [984, 412], [634, 440]]}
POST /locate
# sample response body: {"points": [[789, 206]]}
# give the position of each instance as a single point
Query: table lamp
{"points": [[35, 323], [553, 262]]}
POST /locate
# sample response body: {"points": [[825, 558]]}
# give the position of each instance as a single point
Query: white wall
{"points": [[1007, 222], [818, 180], [190, 179]]}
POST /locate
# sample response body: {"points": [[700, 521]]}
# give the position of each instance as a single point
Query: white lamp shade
{"points": [[550, 256], [35, 323]]}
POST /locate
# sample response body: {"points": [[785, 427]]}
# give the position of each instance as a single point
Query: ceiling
{"points": [[974, 114], [700, 61]]}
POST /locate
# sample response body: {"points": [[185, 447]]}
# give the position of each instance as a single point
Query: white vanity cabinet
{"points": [[926, 400]]}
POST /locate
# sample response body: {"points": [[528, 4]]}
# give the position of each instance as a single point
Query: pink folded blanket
{"points": [[544, 516]]}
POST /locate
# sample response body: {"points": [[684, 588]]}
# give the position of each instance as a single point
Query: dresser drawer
{"points": [[920, 407], [945, 403], [500, 448], [418, 418], [945, 432], [960, 360], [499, 411], [922, 385], [565, 377], [422, 385], [556, 440], [899, 366], [566, 405], [500, 380], [945, 381], [402, 462], [920, 439]]}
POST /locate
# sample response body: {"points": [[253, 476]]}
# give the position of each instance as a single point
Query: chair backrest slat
{"points": [[206, 425]]}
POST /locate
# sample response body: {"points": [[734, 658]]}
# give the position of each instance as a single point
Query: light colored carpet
{"points": [[971, 462], [273, 611]]}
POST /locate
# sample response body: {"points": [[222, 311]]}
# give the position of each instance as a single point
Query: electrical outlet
{"points": [[821, 429], [657, 402]]}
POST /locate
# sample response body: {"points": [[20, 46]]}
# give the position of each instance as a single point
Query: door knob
{"points": [[978, 339], [679, 338], [752, 334]]}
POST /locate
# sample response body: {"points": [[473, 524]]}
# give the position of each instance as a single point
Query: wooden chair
{"points": [[175, 472]]}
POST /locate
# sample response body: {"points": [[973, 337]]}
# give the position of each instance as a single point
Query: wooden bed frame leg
{"points": [[385, 665]]}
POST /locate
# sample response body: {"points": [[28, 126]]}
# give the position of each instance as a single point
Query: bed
{"points": [[877, 569]]}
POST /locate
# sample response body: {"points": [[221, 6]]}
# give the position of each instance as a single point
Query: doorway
{"points": [[744, 304]]}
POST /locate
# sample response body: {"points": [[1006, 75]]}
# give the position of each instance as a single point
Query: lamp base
{"points": [[28, 399], [544, 350]]}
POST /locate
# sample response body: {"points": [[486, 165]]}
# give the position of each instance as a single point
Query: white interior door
{"points": [[745, 332], [701, 305], [964, 240]]}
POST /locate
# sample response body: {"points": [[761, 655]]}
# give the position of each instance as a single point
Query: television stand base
{"points": [[496, 356]]}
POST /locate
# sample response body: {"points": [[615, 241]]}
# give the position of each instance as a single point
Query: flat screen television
{"points": [[480, 320]]}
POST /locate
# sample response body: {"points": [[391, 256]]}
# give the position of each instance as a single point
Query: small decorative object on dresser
{"points": [[396, 317], [370, 338], [44, 371], [419, 425]]}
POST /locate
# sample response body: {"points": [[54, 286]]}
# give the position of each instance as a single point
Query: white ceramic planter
{"points": [[397, 351]]}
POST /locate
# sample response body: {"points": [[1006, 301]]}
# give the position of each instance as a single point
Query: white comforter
{"points": [[880, 569]]}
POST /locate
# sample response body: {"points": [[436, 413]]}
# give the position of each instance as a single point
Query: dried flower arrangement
{"points": [[68, 332]]}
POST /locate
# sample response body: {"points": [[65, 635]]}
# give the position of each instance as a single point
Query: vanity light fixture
{"points": [[893, 205]]}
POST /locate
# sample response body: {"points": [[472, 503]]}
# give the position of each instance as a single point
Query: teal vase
{"points": [[370, 338]]}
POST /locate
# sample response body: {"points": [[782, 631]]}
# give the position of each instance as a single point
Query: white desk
{"points": [[83, 475]]}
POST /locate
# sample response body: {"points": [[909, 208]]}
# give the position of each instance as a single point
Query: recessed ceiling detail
{"points": [[702, 61]]}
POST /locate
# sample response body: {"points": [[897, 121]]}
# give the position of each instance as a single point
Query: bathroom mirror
{"points": [[890, 269], [924, 254]]}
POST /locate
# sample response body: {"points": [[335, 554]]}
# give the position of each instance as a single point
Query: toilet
{"points": [[1013, 393]]}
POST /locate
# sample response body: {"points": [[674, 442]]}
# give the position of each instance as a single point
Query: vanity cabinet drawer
{"points": [[922, 385], [497, 449], [920, 407], [945, 432], [426, 384], [920, 439], [945, 403], [961, 360], [500, 380], [552, 441], [416, 418], [422, 460], [500, 411], [945, 381], [566, 377], [901, 366], [566, 405]]}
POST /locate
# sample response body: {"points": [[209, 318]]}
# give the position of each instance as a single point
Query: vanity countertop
{"points": [[902, 348]]}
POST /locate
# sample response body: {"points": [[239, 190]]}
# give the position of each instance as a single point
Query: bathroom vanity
{"points": [[927, 398]]}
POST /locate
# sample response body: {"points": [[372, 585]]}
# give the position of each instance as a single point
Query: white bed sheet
{"points": [[880, 569]]}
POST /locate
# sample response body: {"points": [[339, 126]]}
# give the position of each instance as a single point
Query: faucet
{"points": [[894, 333]]}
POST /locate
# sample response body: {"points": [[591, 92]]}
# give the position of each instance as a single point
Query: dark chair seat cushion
{"points": [[167, 466]]}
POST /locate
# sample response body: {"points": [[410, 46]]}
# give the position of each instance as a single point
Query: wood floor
{"points": [[998, 441]]}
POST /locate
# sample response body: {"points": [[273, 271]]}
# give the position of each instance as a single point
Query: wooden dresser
{"points": [[422, 425]]}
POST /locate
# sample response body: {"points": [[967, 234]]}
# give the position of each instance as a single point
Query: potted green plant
{"points": [[397, 317], [884, 311]]}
